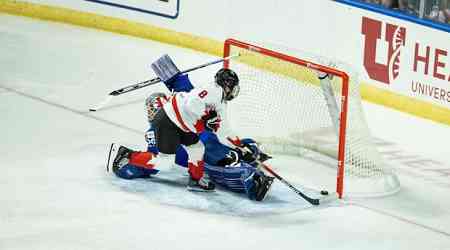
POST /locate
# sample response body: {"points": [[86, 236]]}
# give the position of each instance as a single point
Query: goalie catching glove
{"points": [[249, 150]]}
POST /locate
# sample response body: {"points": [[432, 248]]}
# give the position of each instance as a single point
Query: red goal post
{"points": [[279, 68]]}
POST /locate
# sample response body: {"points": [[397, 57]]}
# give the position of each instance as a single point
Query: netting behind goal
{"points": [[283, 105]]}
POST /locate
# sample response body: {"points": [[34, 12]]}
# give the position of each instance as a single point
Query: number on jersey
{"points": [[203, 93]]}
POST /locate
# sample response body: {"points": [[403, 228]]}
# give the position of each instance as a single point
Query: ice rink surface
{"points": [[55, 193]]}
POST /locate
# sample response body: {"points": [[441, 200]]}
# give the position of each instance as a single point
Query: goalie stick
{"points": [[153, 81]]}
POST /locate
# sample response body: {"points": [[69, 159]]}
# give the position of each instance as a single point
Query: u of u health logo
{"points": [[395, 37], [423, 60]]}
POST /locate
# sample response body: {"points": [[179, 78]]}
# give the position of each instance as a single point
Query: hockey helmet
{"points": [[229, 81], [153, 103]]}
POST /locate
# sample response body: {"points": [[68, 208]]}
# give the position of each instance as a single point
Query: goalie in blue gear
{"points": [[234, 168]]}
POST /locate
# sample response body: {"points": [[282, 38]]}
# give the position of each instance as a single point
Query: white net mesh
{"points": [[283, 105]]}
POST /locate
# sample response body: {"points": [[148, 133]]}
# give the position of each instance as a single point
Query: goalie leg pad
{"points": [[129, 164], [142, 159], [130, 171], [241, 178], [257, 185], [232, 178]]}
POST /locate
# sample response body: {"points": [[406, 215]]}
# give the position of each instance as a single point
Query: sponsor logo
{"points": [[424, 65], [395, 37]]}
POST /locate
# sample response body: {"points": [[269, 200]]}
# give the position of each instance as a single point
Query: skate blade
{"points": [[112, 151]]}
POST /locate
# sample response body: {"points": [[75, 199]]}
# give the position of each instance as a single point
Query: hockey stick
{"points": [[153, 81], [313, 201]]}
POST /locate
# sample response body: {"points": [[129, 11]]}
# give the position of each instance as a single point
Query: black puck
{"points": [[324, 192]]}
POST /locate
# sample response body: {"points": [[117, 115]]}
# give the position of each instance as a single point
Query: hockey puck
{"points": [[324, 192]]}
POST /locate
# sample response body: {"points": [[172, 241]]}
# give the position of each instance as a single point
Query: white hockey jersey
{"points": [[186, 109]]}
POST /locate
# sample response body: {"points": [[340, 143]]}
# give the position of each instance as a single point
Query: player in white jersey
{"points": [[184, 116], [187, 115]]}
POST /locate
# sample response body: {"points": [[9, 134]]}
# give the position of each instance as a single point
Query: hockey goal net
{"points": [[284, 106]]}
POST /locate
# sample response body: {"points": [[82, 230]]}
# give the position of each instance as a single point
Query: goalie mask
{"points": [[229, 81], [153, 103]]}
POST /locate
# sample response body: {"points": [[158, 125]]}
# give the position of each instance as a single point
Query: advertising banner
{"points": [[405, 59]]}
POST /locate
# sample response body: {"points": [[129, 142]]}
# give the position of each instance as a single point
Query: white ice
{"points": [[56, 194]]}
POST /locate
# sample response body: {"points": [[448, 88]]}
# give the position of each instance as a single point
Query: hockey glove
{"points": [[249, 150], [208, 122], [264, 157], [211, 121], [230, 159]]}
